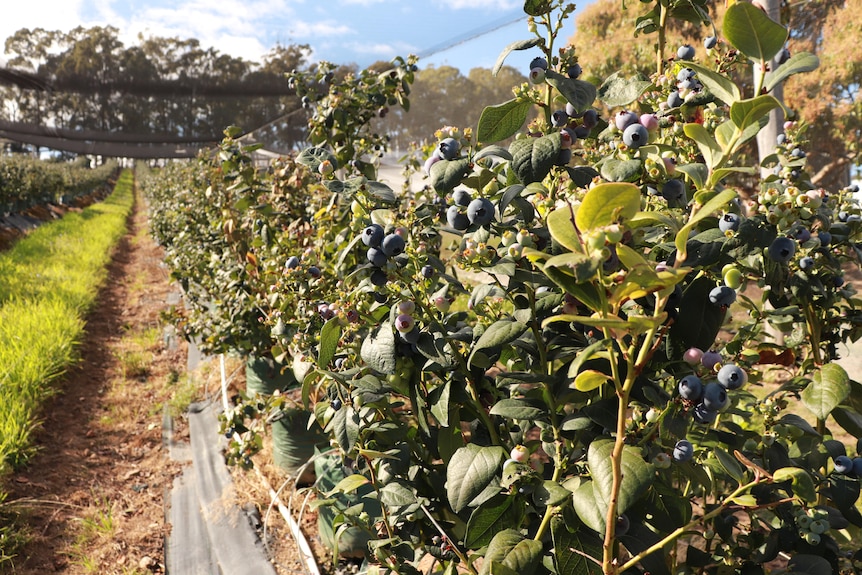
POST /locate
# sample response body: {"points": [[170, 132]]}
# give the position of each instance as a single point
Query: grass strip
{"points": [[48, 282]]}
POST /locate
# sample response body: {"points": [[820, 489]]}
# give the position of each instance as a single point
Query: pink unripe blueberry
{"points": [[669, 165], [519, 453], [693, 355], [406, 306], [441, 303], [649, 121], [404, 323]]}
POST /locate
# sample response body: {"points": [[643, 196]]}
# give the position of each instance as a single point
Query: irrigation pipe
{"points": [[309, 563]]}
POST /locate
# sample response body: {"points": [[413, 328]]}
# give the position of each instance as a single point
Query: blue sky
{"points": [[341, 31]]}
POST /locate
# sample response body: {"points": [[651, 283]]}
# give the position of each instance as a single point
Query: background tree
{"points": [[826, 99]]}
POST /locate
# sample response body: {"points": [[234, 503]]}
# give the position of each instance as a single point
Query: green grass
{"points": [[48, 282]]}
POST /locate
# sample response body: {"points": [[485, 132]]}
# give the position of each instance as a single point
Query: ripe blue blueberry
{"points": [[567, 138], [802, 235], [674, 100], [582, 131], [625, 118], [635, 136], [780, 139], [450, 148], [336, 404], [857, 466], [392, 245], [702, 414], [782, 249], [539, 62], [722, 295], [456, 219], [843, 465], [714, 396], [685, 52], [314, 271], [729, 222], [564, 156], [806, 263], [373, 235], [673, 190], [292, 263], [427, 271], [461, 197], [709, 42], [683, 451], [378, 277], [559, 118], [376, 257], [574, 71], [825, 238], [691, 388], [838, 281], [481, 211], [685, 75], [590, 119], [732, 376]]}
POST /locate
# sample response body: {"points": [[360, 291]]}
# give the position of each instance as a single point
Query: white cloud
{"points": [[47, 14]]}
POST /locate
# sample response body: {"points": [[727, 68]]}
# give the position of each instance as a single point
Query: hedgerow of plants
{"points": [[27, 182], [559, 356], [48, 281]]}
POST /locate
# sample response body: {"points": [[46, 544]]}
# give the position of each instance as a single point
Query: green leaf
{"points": [[446, 174], [796, 64], [313, 157], [349, 484], [514, 551], [586, 354], [615, 170], [699, 320], [637, 474], [752, 32], [800, 482], [730, 464], [745, 113], [330, 333], [709, 148], [517, 45], [579, 93], [697, 172], [494, 151], [380, 191], [502, 121], [590, 379], [514, 408], [572, 550], [378, 350], [618, 90], [718, 202], [719, 86], [549, 493], [533, 158], [471, 469], [581, 175], [581, 266], [828, 388], [561, 225], [587, 507], [498, 334], [492, 517], [439, 400], [606, 204], [397, 494]]}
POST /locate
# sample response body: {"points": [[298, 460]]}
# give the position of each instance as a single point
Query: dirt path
{"points": [[93, 496]]}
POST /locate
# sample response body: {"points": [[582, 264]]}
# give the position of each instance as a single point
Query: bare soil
{"points": [[94, 497]]}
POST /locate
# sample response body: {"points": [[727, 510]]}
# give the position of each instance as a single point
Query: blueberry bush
{"points": [[588, 345]]}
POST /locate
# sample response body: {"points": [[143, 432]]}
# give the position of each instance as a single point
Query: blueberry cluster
{"points": [[466, 211], [405, 325], [812, 523], [636, 128], [711, 397], [687, 86], [382, 247]]}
